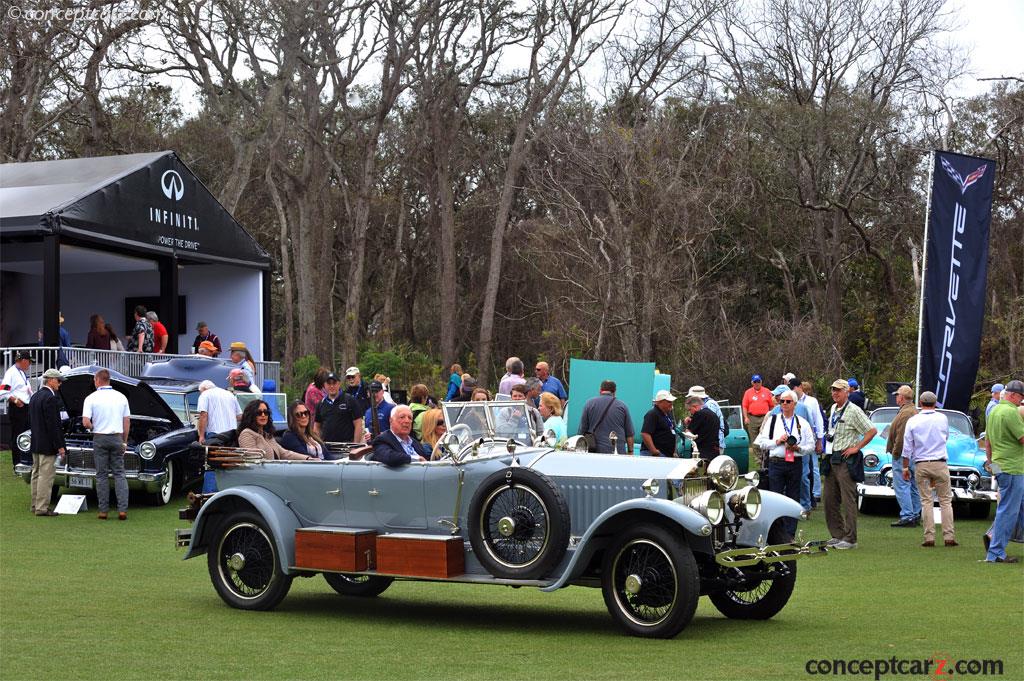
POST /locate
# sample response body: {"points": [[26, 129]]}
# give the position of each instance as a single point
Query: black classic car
{"points": [[158, 460]]}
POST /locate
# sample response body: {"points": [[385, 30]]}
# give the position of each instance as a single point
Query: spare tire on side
{"points": [[518, 524]]}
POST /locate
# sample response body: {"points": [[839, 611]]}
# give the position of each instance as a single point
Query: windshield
{"points": [[499, 420], [183, 404], [958, 422], [278, 403], [734, 417]]}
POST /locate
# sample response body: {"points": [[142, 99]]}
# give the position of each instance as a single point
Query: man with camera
{"points": [[842, 466], [787, 438]]}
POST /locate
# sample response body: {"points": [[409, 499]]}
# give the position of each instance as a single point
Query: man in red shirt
{"points": [[757, 401], [160, 335]]}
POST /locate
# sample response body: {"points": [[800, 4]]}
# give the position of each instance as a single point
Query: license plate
{"points": [[80, 481]]}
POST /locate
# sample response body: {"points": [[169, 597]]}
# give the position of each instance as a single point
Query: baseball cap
{"points": [[997, 388], [840, 383], [201, 325], [331, 377], [779, 389], [237, 377], [794, 382], [904, 390], [756, 378], [663, 395], [697, 391], [24, 355], [352, 371], [788, 376], [1015, 387], [853, 383], [376, 385], [207, 345], [53, 373], [238, 345], [928, 397]]}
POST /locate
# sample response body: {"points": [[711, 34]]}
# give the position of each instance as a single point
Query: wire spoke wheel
{"points": [[760, 599], [516, 525], [362, 586], [645, 582], [243, 564]]}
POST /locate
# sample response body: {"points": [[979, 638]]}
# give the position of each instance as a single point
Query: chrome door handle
{"points": [[334, 492], [374, 493]]}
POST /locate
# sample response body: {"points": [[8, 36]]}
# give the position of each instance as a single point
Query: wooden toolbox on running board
{"points": [[342, 549], [420, 555]]}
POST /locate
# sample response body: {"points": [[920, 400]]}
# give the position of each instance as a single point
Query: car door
{"points": [[396, 495], [314, 492], [357, 490]]}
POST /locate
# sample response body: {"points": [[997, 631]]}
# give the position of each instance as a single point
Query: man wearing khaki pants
{"points": [[47, 440], [924, 443]]}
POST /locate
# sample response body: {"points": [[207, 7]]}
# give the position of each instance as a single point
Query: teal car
{"points": [[737, 442], [972, 485]]}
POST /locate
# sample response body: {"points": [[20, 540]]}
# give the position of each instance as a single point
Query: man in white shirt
{"points": [[15, 388], [219, 410], [789, 440], [105, 412], [924, 442]]}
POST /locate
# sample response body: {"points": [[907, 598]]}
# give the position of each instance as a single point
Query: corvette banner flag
{"points": [[955, 274]]}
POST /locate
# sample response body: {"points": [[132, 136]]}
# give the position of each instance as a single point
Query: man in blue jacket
{"points": [[396, 446]]}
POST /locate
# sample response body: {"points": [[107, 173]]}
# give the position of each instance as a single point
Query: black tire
{"points": [[243, 563], [519, 524], [978, 510], [650, 581], [765, 598], [172, 480], [873, 505], [361, 586]]}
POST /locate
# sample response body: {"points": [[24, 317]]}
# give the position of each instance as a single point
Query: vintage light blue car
{"points": [[972, 484], [502, 508]]}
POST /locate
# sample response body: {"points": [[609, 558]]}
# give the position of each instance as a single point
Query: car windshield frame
{"points": [[499, 420], [184, 404], [733, 416], [882, 418]]}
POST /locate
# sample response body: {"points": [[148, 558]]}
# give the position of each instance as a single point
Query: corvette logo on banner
{"points": [[955, 276]]}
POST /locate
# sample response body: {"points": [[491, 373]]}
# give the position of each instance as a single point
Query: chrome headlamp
{"points": [[972, 481], [746, 503], [871, 460], [753, 479], [711, 505], [147, 450], [577, 443], [25, 441], [723, 472]]}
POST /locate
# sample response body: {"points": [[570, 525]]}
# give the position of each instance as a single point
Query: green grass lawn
{"points": [[80, 598]]}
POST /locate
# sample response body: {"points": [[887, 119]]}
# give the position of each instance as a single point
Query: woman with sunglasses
{"points": [[433, 427], [256, 431], [300, 436]]}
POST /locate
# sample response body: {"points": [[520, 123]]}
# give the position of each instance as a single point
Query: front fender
{"points": [[692, 521], [280, 519], [773, 507]]}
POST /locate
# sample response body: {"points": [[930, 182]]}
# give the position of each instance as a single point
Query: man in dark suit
{"points": [[47, 440], [396, 447]]}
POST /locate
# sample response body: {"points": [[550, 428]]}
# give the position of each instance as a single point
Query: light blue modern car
{"points": [[501, 507], [973, 486]]}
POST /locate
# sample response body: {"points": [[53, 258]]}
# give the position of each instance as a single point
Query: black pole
{"points": [[268, 323], [51, 290], [169, 291]]}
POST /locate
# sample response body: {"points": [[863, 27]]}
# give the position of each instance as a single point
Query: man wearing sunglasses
{"points": [[788, 438], [848, 431]]}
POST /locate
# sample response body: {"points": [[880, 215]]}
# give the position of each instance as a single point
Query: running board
{"points": [[770, 554]]}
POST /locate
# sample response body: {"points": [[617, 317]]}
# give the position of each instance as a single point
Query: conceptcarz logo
{"points": [[953, 290]]}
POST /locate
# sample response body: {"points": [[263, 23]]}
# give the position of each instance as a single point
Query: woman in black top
{"points": [[300, 436]]}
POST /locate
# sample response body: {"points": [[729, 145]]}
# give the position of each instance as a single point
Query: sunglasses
{"points": [[440, 424], [786, 401], [262, 412], [301, 414]]}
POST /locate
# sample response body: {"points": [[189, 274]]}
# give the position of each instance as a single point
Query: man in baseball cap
{"points": [[357, 389], [997, 394], [907, 495], [757, 401], [856, 394], [1004, 446], [723, 430], [848, 431], [658, 432]]}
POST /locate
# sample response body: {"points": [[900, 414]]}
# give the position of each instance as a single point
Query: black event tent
{"points": [[142, 205]]}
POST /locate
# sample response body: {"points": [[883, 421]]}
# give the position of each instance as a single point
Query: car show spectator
{"points": [[658, 432], [480, 395], [218, 409], [357, 389], [203, 333], [115, 342], [811, 486], [300, 437], [454, 382], [533, 390], [997, 395], [377, 417], [520, 393], [551, 411], [338, 417], [703, 425], [206, 349], [63, 340], [606, 414], [395, 446], [418, 396], [907, 495], [242, 359], [16, 389], [699, 391], [842, 467], [1004, 452], [97, 338], [514, 370], [788, 438], [856, 394], [385, 382], [160, 335], [549, 383], [469, 384], [256, 431], [47, 440], [433, 425], [105, 412], [315, 390], [141, 338], [757, 401], [924, 443], [239, 382]]}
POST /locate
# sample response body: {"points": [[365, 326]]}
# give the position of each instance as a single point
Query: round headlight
{"points": [[746, 503], [711, 505], [723, 472], [753, 479], [651, 487], [871, 460], [25, 441], [147, 450], [577, 443]]}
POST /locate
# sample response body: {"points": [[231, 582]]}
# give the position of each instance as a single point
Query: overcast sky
{"points": [[993, 30]]}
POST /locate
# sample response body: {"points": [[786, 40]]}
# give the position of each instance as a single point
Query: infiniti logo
{"points": [[172, 185]]}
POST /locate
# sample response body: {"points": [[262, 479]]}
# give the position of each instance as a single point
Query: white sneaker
{"points": [[845, 545], [832, 542]]}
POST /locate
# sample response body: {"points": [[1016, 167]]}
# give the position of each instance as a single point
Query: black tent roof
{"points": [[145, 203]]}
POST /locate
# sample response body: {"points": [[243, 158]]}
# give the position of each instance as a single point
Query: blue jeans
{"points": [[907, 495], [805, 484], [816, 472], [1008, 513], [784, 478]]}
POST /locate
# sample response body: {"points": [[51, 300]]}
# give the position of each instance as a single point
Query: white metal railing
{"points": [[128, 363]]}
